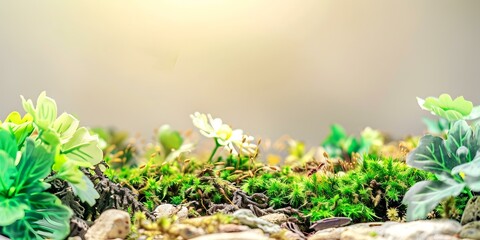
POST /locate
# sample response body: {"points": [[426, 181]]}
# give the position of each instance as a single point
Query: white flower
{"points": [[233, 140]]}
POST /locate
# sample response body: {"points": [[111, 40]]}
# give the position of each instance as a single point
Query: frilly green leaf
{"points": [[445, 107], [424, 196]]}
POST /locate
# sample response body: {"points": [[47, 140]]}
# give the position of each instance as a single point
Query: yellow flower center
{"points": [[224, 132]]}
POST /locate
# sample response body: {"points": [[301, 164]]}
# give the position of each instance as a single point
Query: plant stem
{"points": [[217, 145], [470, 195]]}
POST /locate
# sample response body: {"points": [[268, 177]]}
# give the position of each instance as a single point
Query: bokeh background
{"points": [[271, 67]]}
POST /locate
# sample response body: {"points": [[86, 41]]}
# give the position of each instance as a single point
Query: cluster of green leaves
{"points": [[340, 145], [363, 194], [26, 210], [456, 163], [48, 147], [454, 159], [74, 146], [448, 110]]}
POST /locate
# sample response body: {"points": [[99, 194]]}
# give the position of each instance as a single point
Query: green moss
{"points": [[363, 194]]}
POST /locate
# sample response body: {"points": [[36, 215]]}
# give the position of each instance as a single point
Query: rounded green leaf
{"points": [[83, 148], [45, 112], [11, 210], [35, 164], [169, 138], [446, 107], [8, 171], [424, 196], [47, 219], [65, 126], [8, 143]]}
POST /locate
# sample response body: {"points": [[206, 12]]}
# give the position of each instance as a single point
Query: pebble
{"points": [[426, 229], [336, 233], [232, 228], [472, 211], [111, 224], [275, 218], [186, 231], [471, 230], [169, 210], [360, 234], [247, 235], [422, 229], [246, 217]]}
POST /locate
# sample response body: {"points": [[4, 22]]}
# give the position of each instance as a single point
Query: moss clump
{"points": [[363, 194]]}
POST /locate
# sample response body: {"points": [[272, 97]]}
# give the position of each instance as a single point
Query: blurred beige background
{"points": [[267, 66]]}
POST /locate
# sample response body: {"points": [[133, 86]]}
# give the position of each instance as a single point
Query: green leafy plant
{"points": [[339, 144], [26, 210], [453, 159], [448, 108], [74, 146], [455, 162]]}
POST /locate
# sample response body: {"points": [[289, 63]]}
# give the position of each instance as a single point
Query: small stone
{"points": [[185, 231], [232, 228], [246, 217], [182, 213], [247, 235], [471, 230], [292, 236], [111, 224], [360, 234], [165, 210], [472, 211], [442, 237], [275, 218], [169, 210], [421, 229], [328, 234], [336, 233]]}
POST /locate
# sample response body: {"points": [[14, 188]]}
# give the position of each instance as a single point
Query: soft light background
{"points": [[267, 66]]}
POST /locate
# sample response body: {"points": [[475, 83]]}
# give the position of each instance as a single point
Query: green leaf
{"points": [[47, 219], [83, 148], [436, 126], [20, 127], [65, 126], [85, 190], [470, 173], [337, 133], [45, 112], [440, 156], [474, 114], [334, 143], [8, 171], [350, 145], [461, 143], [8, 143], [431, 155], [35, 164], [11, 210], [446, 107], [69, 172], [51, 138], [169, 138], [424, 196]]}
